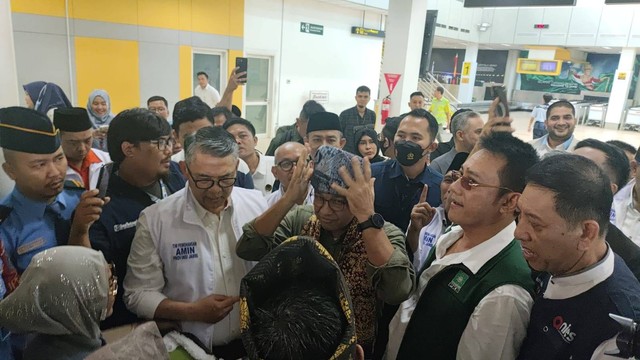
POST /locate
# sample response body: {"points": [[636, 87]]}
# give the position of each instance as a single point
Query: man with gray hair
{"points": [[183, 265], [466, 128]]}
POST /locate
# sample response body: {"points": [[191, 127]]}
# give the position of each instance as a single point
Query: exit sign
{"points": [[540, 26], [311, 28]]}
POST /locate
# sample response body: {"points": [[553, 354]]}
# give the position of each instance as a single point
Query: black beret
{"points": [[28, 131], [74, 119], [323, 121]]}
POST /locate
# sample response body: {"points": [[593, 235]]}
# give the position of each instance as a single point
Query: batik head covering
{"points": [[46, 96], [64, 291], [327, 162], [95, 118], [298, 260]]}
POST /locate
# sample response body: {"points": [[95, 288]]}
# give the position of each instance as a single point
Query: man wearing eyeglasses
{"points": [[140, 145], [473, 297], [370, 252], [183, 265], [286, 157]]}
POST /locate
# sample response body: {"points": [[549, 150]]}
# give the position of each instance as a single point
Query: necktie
{"points": [[62, 227]]}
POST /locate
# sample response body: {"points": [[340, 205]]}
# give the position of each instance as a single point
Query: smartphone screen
{"points": [[241, 63], [103, 179], [503, 106]]}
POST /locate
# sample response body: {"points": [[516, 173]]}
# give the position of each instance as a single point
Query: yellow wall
{"points": [[111, 65], [186, 65]]}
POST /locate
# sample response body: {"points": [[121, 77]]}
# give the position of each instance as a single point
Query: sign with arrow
{"points": [[311, 28]]}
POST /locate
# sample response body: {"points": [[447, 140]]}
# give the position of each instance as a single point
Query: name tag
{"points": [[32, 245], [458, 281], [185, 251]]}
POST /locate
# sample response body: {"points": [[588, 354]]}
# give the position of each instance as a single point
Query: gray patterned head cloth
{"points": [[64, 291], [327, 162]]}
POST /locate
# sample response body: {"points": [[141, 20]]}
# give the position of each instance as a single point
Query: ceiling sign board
{"points": [[513, 3], [357, 30], [613, 2], [311, 28]]}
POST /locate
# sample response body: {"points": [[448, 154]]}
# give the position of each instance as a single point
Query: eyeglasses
{"points": [[113, 280], [163, 143], [205, 184], [469, 184], [287, 165], [334, 203]]}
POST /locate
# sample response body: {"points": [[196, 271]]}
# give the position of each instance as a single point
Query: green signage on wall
{"points": [[311, 28]]}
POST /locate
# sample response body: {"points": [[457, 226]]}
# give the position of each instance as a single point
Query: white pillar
{"points": [[468, 78], [621, 84], [9, 94], [402, 50]]}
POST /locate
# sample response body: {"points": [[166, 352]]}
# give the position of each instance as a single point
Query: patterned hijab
{"points": [[64, 291], [46, 96], [298, 260], [108, 116]]}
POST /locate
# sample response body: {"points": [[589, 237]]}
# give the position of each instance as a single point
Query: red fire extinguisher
{"points": [[386, 106]]}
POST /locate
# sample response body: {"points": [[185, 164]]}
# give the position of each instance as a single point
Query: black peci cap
{"points": [[27, 131], [74, 119], [323, 121]]}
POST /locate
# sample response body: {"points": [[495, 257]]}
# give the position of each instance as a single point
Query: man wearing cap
{"points": [[323, 129], [140, 145], [37, 213], [298, 283], [76, 134], [297, 131], [183, 264], [399, 182], [370, 252]]}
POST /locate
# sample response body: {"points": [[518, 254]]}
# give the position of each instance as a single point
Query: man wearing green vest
{"points": [[473, 297]]}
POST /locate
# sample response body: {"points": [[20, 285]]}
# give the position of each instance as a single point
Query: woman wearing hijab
{"points": [[99, 109], [45, 97], [367, 145], [62, 297]]}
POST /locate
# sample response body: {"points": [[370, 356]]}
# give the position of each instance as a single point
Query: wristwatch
{"points": [[375, 221]]}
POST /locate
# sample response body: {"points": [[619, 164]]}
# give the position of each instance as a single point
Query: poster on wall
{"points": [[446, 65], [594, 75]]}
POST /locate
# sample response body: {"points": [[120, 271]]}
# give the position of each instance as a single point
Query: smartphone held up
{"points": [[241, 64]]}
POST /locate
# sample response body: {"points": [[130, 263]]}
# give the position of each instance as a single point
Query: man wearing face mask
{"points": [[400, 181]]}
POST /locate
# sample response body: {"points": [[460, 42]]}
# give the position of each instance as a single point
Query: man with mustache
{"points": [[140, 145], [561, 122], [37, 215]]}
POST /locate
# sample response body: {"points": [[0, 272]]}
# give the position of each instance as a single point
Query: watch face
{"points": [[377, 220]]}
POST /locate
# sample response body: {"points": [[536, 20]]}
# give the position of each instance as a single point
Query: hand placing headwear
{"points": [[295, 304]]}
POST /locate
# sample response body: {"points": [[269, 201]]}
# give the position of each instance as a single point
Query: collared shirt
{"points": [[440, 109], [209, 95], [273, 198], [498, 324], [351, 121], [624, 215], [428, 236], [263, 178], [542, 147], [396, 194], [91, 158], [29, 228]]}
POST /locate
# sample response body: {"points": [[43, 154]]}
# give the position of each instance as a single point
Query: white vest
{"points": [[174, 222], [94, 170]]}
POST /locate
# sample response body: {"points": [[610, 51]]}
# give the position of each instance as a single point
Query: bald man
{"points": [[286, 156]]}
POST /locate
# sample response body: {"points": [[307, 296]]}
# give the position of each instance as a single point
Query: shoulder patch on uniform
{"points": [[4, 212]]}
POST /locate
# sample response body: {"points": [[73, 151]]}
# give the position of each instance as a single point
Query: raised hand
{"points": [[422, 213], [497, 124], [299, 184], [359, 192]]}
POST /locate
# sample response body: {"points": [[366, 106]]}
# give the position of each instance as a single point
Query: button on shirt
{"points": [[209, 95], [263, 178], [498, 324], [30, 227], [396, 194]]}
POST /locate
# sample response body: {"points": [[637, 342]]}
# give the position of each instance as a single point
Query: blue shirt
{"points": [[29, 229], [5, 340], [396, 194]]}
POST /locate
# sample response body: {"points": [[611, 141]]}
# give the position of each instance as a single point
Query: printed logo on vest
{"points": [[458, 281], [564, 329], [125, 226], [184, 251], [428, 239], [612, 215]]}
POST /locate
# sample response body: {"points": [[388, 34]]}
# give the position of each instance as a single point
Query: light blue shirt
{"points": [[5, 343], [29, 229]]}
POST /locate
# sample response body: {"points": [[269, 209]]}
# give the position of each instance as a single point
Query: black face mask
{"points": [[408, 153]]}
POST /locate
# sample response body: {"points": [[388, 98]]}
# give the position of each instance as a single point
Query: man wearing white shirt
{"points": [[561, 123], [286, 157], [474, 294], [205, 91], [582, 281], [183, 265], [259, 165]]}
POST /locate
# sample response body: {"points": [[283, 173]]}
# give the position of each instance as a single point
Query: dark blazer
{"points": [[625, 248]]}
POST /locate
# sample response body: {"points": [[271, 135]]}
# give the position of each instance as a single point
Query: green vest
{"points": [[451, 296]]}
